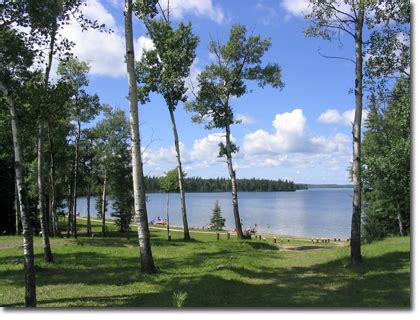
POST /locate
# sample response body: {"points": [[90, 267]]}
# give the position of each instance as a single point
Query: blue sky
{"points": [[301, 133]]}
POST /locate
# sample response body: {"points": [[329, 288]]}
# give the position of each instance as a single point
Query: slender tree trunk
{"points": [[180, 176], [41, 185], [89, 226], [355, 243], [41, 199], [17, 210], [167, 216], [70, 205], [103, 206], [146, 257], [53, 204], [232, 174], [28, 248], [75, 174], [400, 220]]}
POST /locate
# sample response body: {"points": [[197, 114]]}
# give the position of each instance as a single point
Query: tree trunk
{"points": [[103, 206], [53, 202], [41, 199], [70, 204], [89, 226], [75, 174], [17, 211], [355, 243], [400, 220], [28, 248], [146, 257], [41, 186], [232, 173], [167, 216], [180, 177]]}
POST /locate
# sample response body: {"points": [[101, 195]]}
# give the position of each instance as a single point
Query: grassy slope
{"points": [[105, 272]]}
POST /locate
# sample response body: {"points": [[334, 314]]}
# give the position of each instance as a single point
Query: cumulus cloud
{"points": [[204, 8], [105, 52], [291, 136], [299, 8], [296, 7], [333, 116]]}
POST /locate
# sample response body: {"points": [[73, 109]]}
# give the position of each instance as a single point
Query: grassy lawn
{"points": [[105, 272]]}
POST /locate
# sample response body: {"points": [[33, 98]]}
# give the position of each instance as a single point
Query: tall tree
{"points": [[147, 262], [386, 166], [15, 60], [329, 20], [237, 62], [164, 70], [84, 107]]}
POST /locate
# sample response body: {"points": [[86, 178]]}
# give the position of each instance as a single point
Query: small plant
{"points": [[179, 298]]}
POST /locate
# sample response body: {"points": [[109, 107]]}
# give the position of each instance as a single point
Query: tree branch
{"points": [[334, 57]]}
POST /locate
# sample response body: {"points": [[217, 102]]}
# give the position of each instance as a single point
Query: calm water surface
{"points": [[313, 212]]}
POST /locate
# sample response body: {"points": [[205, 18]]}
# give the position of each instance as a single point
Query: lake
{"points": [[309, 213]]}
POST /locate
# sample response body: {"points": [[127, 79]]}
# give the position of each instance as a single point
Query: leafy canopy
{"points": [[165, 68], [237, 61]]}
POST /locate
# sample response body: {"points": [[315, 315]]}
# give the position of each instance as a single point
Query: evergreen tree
{"points": [[217, 222]]}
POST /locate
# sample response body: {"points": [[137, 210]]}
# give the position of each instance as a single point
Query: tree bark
{"points": [[146, 257], [70, 204], [167, 216], [75, 174], [17, 211], [180, 176], [232, 175], [400, 220], [89, 225], [41, 199], [53, 202], [28, 248], [103, 205], [41, 186], [355, 243]]}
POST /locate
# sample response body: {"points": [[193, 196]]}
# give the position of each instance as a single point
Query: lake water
{"points": [[313, 212]]}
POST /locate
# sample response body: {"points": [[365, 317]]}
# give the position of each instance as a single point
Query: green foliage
{"points": [[197, 184], [386, 165], [169, 182], [237, 62], [165, 68], [217, 222], [179, 298], [113, 156]]}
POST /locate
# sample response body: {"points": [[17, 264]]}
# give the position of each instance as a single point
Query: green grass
{"points": [[204, 272]]}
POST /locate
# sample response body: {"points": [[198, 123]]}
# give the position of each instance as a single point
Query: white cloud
{"points": [[296, 7], [333, 116], [105, 52], [244, 118], [299, 8], [205, 8], [291, 136]]}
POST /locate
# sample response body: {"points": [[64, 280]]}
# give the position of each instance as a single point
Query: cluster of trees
{"points": [[198, 184], [55, 155]]}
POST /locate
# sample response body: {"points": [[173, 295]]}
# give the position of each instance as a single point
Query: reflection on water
{"points": [[313, 212]]}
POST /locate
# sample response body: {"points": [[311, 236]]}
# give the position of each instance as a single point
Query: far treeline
{"points": [[197, 184]]}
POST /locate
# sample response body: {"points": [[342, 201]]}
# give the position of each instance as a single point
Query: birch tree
{"points": [[164, 70], [84, 107], [332, 19], [237, 62], [146, 257]]}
